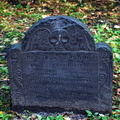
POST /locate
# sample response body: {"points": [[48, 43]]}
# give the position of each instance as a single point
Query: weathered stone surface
{"points": [[59, 68]]}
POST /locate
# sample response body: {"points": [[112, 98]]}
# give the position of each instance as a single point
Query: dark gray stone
{"points": [[59, 68]]}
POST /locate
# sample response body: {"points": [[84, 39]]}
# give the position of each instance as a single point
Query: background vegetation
{"points": [[17, 16]]}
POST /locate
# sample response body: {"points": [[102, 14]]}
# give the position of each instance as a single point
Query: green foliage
{"points": [[39, 117], [90, 115], [5, 101], [63, 0], [108, 34], [4, 116], [19, 6], [3, 6], [97, 116], [3, 68], [3, 71], [59, 117], [50, 118], [27, 8]]}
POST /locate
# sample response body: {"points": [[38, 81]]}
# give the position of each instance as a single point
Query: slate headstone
{"points": [[58, 67]]}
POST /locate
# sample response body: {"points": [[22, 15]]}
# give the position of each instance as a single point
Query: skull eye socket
{"points": [[53, 40], [65, 40]]}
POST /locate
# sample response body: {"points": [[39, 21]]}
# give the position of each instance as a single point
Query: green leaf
{"points": [[88, 112], [6, 87], [2, 115], [50, 118], [96, 113], [104, 118], [117, 110], [60, 117], [7, 117]]}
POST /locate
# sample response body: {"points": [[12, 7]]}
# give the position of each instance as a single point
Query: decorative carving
{"points": [[16, 76], [59, 33], [105, 73]]}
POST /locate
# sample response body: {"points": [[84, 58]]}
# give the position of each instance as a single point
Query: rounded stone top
{"points": [[58, 33]]}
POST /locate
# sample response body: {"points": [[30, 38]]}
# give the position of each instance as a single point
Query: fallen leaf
{"points": [[67, 118], [117, 26], [113, 38], [118, 91], [44, 16]]}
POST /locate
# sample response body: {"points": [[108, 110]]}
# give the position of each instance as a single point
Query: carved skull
{"points": [[59, 39]]}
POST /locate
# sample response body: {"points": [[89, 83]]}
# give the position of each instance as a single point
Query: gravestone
{"points": [[58, 67]]}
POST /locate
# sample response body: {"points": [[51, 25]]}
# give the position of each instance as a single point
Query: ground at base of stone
{"points": [[66, 115]]}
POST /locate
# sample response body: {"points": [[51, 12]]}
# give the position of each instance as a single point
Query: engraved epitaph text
{"points": [[63, 74]]}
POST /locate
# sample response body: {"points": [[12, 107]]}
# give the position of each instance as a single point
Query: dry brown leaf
{"points": [[113, 38]]}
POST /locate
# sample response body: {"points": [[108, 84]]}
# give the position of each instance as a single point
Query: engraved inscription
{"points": [[55, 76]]}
